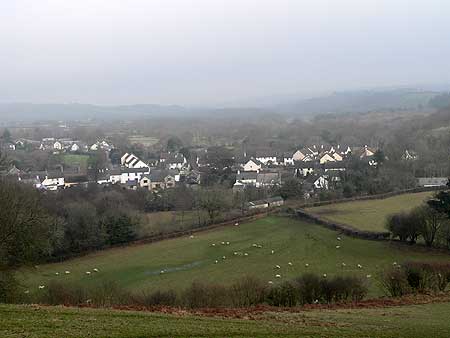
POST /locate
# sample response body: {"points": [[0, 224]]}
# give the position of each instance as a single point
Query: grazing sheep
{"points": [[316, 301], [339, 238], [191, 236], [290, 263], [272, 252], [216, 261], [343, 265], [277, 276], [57, 273], [270, 282], [235, 253], [95, 269], [259, 246], [368, 276], [161, 272], [67, 272], [324, 275], [245, 254], [237, 223], [359, 266], [214, 244], [223, 243], [277, 266], [395, 263], [306, 265], [254, 245], [338, 246], [228, 243], [41, 286], [88, 272], [223, 257], [26, 292]]}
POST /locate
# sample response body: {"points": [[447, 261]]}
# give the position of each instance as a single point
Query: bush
{"points": [[200, 295], [427, 277], [9, 290], [309, 289], [285, 294], [247, 291], [395, 282], [159, 297]]}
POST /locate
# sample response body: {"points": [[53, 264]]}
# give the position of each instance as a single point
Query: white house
{"points": [[57, 145], [288, 159], [176, 162], [132, 161], [298, 155], [321, 182], [324, 158], [337, 157], [267, 158], [75, 147], [247, 177], [252, 165], [53, 181]]}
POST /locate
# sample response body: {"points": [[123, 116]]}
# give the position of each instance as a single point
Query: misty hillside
{"points": [[361, 101]]}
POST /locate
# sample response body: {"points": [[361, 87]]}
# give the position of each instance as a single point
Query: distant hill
{"points": [[76, 111], [360, 101]]}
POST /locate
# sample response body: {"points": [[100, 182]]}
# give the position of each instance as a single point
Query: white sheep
{"points": [[277, 266], [214, 244], [216, 261], [324, 275], [368, 276], [161, 272], [223, 243], [223, 257], [41, 287], [57, 273], [277, 276], [245, 254], [235, 253], [343, 265], [359, 266], [290, 263], [95, 269], [237, 223], [306, 265], [67, 272], [259, 246], [338, 246], [254, 245], [228, 243], [339, 238], [88, 272], [272, 252], [270, 282], [191, 236]]}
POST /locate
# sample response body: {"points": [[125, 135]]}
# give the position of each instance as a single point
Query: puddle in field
{"points": [[175, 268]]}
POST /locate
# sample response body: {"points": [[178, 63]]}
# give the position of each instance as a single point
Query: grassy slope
{"points": [[370, 215], [429, 320], [137, 267]]}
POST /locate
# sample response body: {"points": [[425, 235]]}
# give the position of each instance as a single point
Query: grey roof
{"points": [[432, 181], [268, 178], [275, 199], [247, 175], [159, 175]]}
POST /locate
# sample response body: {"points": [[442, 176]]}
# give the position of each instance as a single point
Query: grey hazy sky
{"points": [[209, 51]]}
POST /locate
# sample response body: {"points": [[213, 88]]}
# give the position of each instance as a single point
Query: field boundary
{"points": [[348, 229]]}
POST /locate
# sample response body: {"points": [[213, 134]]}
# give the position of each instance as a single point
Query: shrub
{"points": [[247, 291], [57, 293], [200, 295], [425, 277], [395, 282], [309, 289], [9, 290], [159, 297], [285, 294]]}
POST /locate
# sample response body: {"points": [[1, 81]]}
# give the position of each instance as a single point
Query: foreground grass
{"points": [[370, 215], [429, 320], [187, 259]]}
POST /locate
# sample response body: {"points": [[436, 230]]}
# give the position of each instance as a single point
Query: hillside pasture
{"points": [[369, 215], [225, 254], [412, 321]]}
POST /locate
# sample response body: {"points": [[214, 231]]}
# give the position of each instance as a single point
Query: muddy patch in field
{"points": [[174, 268]]}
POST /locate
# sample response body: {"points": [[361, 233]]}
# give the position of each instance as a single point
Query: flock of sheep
{"points": [[67, 272]]}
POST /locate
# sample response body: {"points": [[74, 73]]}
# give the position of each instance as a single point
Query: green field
{"points": [[147, 141], [74, 160], [413, 321], [186, 259], [369, 215]]}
